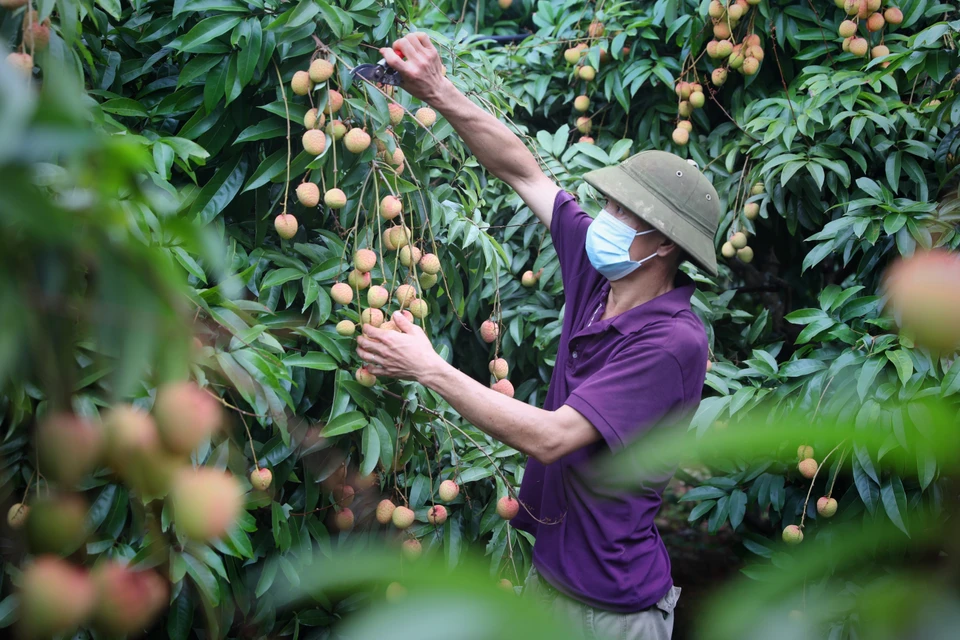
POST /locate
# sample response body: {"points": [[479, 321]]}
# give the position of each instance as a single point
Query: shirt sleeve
{"points": [[568, 229], [634, 390]]}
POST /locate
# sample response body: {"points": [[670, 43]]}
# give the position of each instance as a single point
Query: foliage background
{"points": [[168, 119]]}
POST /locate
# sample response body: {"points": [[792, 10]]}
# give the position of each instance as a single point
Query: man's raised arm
{"points": [[497, 148]]}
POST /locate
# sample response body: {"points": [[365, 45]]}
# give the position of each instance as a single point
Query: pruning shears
{"points": [[380, 73]]}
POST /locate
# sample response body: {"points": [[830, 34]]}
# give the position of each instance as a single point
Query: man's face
{"points": [[642, 246]]}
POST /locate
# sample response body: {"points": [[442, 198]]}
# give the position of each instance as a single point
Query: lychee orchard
{"points": [[209, 211]]}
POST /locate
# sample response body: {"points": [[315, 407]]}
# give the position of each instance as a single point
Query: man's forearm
{"points": [[497, 148], [524, 427]]}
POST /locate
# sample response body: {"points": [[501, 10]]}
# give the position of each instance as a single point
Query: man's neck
{"points": [[634, 290]]}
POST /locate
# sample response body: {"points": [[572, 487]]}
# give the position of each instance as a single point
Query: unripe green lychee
{"points": [[357, 140], [745, 255], [756, 189], [411, 549], [448, 490], [358, 279], [308, 194], [581, 103], [587, 72], [314, 120], [395, 592], [584, 124], [336, 129], [751, 210], [17, 515], [847, 28], [572, 55], [314, 142], [341, 293], [718, 77], [489, 331], [397, 158], [503, 386], [402, 517], [390, 207], [528, 279], [437, 515], [428, 280], [335, 198], [404, 295], [377, 296], [826, 507], [320, 70], [399, 236], [808, 468], [792, 535], [57, 524], [68, 446], [127, 600], [499, 368], [508, 508], [186, 416], [385, 511], [334, 102], [804, 451], [373, 317], [728, 250], [346, 328], [365, 260], [300, 84], [680, 136], [419, 308], [738, 240], [683, 90], [426, 116], [55, 598], [410, 255], [505, 584], [737, 58], [286, 225], [685, 125], [206, 502], [396, 113], [724, 48], [697, 99], [262, 478]]}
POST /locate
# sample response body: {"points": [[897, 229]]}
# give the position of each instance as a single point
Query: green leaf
{"points": [[901, 360], [951, 381], [111, 6], [344, 423], [279, 276], [9, 610], [895, 502], [738, 508], [312, 360], [180, 616], [206, 30], [267, 576], [124, 107], [701, 509], [871, 368], [204, 579], [219, 191], [703, 493], [371, 450]]}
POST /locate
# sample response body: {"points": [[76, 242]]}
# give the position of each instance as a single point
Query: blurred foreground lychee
{"points": [[57, 524], [206, 502], [186, 416], [923, 297], [508, 508], [127, 600], [68, 446], [55, 598], [804, 451], [395, 592]]}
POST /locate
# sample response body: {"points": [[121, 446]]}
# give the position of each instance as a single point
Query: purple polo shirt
{"points": [[623, 374]]}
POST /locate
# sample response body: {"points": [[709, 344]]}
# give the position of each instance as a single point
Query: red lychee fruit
{"points": [[365, 260], [826, 507], [390, 207], [358, 279], [751, 210], [21, 61], [344, 520], [314, 120], [680, 136], [36, 37], [499, 368], [372, 317], [341, 293], [503, 386], [334, 102], [581, 103], [320, 70], [69, 447], [186, 415], [508, 508], [377, 296], [808, 468], [286, 225], [528, 279], [596, 29], [206, 502], [859, 46], [448, 490], [489, 331], [847, 28], [410, 255], [792, 534], [55, 598], [893, 15], [437, 515], [586, 140], [385, 511], [719, 76], [261, 478], [402, 517], [308, 194], [584, 124], [430, 263], [923, 298]]}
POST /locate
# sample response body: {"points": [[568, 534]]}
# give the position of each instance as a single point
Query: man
{"points": [[631, 353]]}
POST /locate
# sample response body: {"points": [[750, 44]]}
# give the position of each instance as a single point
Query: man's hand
{"points": [[407, 356], [421, 70]]}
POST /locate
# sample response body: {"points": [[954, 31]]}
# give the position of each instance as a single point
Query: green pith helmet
{"points": [[671, 195]]}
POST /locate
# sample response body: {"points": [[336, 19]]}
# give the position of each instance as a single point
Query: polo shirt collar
{"points": [[663, 306]]}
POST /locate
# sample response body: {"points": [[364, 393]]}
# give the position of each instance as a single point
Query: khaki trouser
{"points": [[655, 623]]}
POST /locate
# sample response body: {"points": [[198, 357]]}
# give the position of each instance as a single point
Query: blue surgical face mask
{"points": [[608, 246]]}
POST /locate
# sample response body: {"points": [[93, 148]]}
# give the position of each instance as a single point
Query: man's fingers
{"points": [[424, 40], [394, 60], [407, 48]]}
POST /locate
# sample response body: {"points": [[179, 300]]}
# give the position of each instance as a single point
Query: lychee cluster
{"points": [[868, 14], [736, 244], [691, 97], [745, 55], [576, 56]]}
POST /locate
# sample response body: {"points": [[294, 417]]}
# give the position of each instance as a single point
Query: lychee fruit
{"points": [[300, 84], [402, 517], [697, 99], [390, 207], [206, 502], [334, 102], [17, 515], [718, 77], [499, 368], [186, 416], [923, 298], [826, 507], [581, 103], [584, 124], [314, 120], [503, 386], [508, 508], [396, 159], [721, 31], [847, 28], [683, 90], [55, 598], [716, 9], [286, 225], [489, 331], [437, 515], [738, 240], [358, 279], [336, 129], [21, 61], [572, 55], [587, 72], [804, 451], [728, 250], [57, 524], [586, 140], [341, 293], [893, 15], [430, 263], [36, 37], [411, 549], [373, 317], [528, 279], [875, 22], [395, 592], [808, 468], [335, 198], [377, 296], [745, 255], [426, 116], [686, 125], [314, 142], [859, 46], [751, 210], [364, 260], [757, 189], [428, 280], [343, 521], [596, 29], [879, 51], [261, 478], [752, 40], [404, 295], [419, 308], [127, 600], [308, 193], [396, 113], [320, 70], [68, 446], [505, 584], [130, 434], [680, 136], [365, 378], [410, 255], [357, 140], [399, 236], [385, 511], [792, 534], [389, 325], [724, 48], [448, 490], [346, 328], [750, 66]]}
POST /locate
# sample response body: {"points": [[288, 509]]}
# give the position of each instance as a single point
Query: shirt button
{"points": [[575, 355]]}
